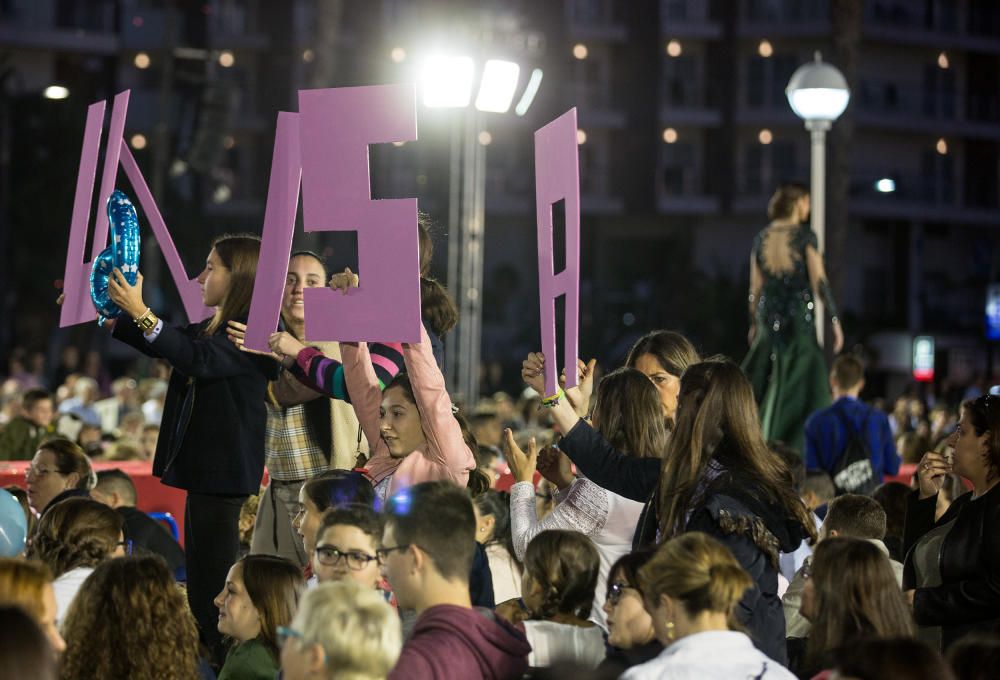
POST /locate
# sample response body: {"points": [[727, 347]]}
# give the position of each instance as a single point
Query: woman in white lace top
{"points": [[627, 415]]}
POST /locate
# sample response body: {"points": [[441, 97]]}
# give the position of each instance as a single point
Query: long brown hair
{"points": [[274, 585], [239, 254], [130, 620], [629, 414], [697, 571], [436, 306], [855, 596], [76, 532], [717, 419], [673, 351]]}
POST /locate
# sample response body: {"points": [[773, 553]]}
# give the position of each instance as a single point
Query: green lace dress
{"points": [[785, 364]]}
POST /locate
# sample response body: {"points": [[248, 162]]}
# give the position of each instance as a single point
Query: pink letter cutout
{"points": [[279, 226], [557, 177], [335, 127], [77, 307]]}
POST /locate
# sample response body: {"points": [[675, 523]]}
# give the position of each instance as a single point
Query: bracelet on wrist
{"points": [[549, 402]]}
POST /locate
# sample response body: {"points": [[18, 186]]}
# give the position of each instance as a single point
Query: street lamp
{"points": [[818, 94], [447, 81]]}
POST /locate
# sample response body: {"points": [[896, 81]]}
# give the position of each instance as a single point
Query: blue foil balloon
{"points": [[13, 525], [123, 254]]}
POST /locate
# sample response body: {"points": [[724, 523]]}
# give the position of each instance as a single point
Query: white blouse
{"points": [[609, 520], [718, 654], [551, 642]]}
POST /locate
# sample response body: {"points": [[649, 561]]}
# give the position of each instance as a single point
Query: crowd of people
{"points": [[640, 524]]}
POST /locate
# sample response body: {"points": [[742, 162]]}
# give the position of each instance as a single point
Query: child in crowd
{"points": [[560, 574]]}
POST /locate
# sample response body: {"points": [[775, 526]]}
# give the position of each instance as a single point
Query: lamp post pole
{"points": [[818, 94], [817, 200]]}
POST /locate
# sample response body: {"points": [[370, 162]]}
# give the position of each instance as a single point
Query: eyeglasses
{"points": [[331, 555], [383, 553], [38, 472], [126, 545], [284, 632], [616, 591]]}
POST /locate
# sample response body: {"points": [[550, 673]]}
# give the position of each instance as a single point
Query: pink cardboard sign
{"points": [[279, 226], [335, 128], [557, 178], [77, 307]]}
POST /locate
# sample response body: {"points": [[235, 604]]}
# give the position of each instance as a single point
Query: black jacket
{"points": [[969, 595], [212, 433], [637, 479], [729, 509]]}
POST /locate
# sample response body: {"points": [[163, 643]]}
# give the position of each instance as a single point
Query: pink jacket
{"points": [[446, 455]]}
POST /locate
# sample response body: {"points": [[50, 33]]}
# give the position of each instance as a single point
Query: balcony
{"points": [[941, 23], [909, 107], [688, 19], [595, 105], [83, 27], [798, 18]]}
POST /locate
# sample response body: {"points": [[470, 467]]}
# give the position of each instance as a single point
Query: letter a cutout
{"points": [[77, 307], [557, 178]]}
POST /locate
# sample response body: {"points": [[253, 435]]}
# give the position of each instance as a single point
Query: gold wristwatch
{"points": [[146, 321]]}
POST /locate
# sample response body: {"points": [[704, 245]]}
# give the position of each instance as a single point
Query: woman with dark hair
{"points": [[785, 363], [851, 595], [628, 416], [557, 592], [662, 356], [59, 470], [631, 635], [211, 441], [952, 565], [130, 620], [492, 510], [692, 587], [24, 651], [72, 538], [720, 478], [261, 594]]}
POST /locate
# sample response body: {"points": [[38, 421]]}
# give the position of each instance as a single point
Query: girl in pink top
{"points": [[412, 431]]}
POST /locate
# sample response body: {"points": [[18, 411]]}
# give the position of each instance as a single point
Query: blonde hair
{"points": [[697, 571], [359, 632], [23, 583]]}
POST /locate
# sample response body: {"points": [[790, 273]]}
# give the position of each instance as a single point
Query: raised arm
{"points": [[633, 478], [364, 387], [583, 508], [327, 375], [208, 357], [446, 445]]}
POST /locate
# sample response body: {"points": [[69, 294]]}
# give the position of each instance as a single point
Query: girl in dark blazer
{"points": [[211, 440]]}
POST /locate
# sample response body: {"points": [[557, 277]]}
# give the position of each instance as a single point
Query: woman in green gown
{"points": [[785, 363]]}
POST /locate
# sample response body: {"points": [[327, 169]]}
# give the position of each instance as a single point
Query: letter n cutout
{"points": [[557, 178], [77, 307]]}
